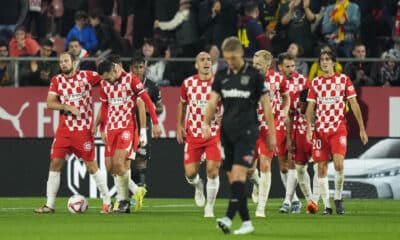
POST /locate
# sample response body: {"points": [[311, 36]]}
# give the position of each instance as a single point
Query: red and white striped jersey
{"points": [[296, 85], [75, 91], [277, 85], [121, 99], [330, 95], [196, 93]]}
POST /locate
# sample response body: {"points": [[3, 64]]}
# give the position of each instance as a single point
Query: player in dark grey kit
{"points": [[239, 87], [143, 155]]}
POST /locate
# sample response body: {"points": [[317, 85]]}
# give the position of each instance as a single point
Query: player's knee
{"points": [[56, 164]]}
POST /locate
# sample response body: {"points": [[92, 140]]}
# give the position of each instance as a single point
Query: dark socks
{"points": [[238, 202]]}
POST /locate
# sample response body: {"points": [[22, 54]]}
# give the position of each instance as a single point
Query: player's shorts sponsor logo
{"points": [[343, 140], [87, 146], [126, 135], [248, 159], [318, 153], [142, 151]]}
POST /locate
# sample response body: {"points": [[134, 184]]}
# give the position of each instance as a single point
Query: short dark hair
{"points": [[20, 28], [81, 15], [73, 39], [115, 58], [105, 67], [73, 58], [249, 7], [285, 56], [45, 42], [3, 43], [137, 59], [358, 43]]}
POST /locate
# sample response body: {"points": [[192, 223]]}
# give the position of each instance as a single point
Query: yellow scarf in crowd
{"points": [[337, 14]]}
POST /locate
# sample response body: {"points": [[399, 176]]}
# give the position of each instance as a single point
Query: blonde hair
{"points": [[264, 55], [231, 44]]}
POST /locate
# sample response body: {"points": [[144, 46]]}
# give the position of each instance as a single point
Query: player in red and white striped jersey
{"points": [[195, 93], [279, 96], [299, 150], [71, 93], [327, 100], [118, 94]]}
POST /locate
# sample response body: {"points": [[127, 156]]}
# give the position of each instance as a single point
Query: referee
{"points": [[239, 87]]}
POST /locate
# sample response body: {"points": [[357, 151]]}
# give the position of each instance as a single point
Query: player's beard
{"points": [[68, 71]]}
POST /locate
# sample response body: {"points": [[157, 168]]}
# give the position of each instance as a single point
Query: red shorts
{"points": [[80, 143], [281, 143], [325, 144], [211, 149], [125, 138], [303, 151], [261, 146]]}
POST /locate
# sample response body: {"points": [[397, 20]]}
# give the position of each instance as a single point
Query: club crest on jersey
{"points": [[126, 135], [81, 84], [87, 146], [124, 88], [244, 80], [337, 87]]}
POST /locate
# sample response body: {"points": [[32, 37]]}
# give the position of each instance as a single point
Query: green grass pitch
{"points": [[181, 219]]}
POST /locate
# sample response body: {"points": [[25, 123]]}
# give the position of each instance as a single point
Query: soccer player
{"points": [[278, 92], [239, 87], [195, 92], [71, 93], [299, 150], [138, 67], [328, 95], [118, 94]]}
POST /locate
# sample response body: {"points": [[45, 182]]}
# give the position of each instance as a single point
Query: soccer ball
{"points": [[77, 204]]}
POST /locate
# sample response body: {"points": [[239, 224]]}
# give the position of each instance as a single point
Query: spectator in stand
{"points": [[165, 10], [175, 71], [390, 71], [143, 26], [108, 38], [39, 73], [84, 32], [360, 72], [154, 68], [36, 19], [316, 71], [219, 20], [71, 7], [6, 68], [186, 27], [22, 43], [76, 49], [296, 18], [340, 25], [217, 62], [250, 33], [12, 14], [297, 51], [269, 14]]}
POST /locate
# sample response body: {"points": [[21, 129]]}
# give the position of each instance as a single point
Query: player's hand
{"points": [[104, 137], [156, 131], [309, 136], [180, 134], [206, 130], [143, 137], [34, 66], [156, 24], [72, 110], [364, 137], [94, 130]]}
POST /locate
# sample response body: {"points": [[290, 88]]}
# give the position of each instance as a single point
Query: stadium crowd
{"points": [[164, 29]]}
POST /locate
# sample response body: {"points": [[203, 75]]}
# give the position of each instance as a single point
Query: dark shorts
{"points": [[145, 152], [239, 151]]}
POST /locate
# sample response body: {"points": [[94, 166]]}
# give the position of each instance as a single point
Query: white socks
{"points": [[284, 178], [53, 184], [254, 177], [291, 186], [264, 188], [304, 181], [194, 181], [324, 190], [316, 191], [121, 182], [100, 180], [212, 187], [339, 179], [131, 184]]}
